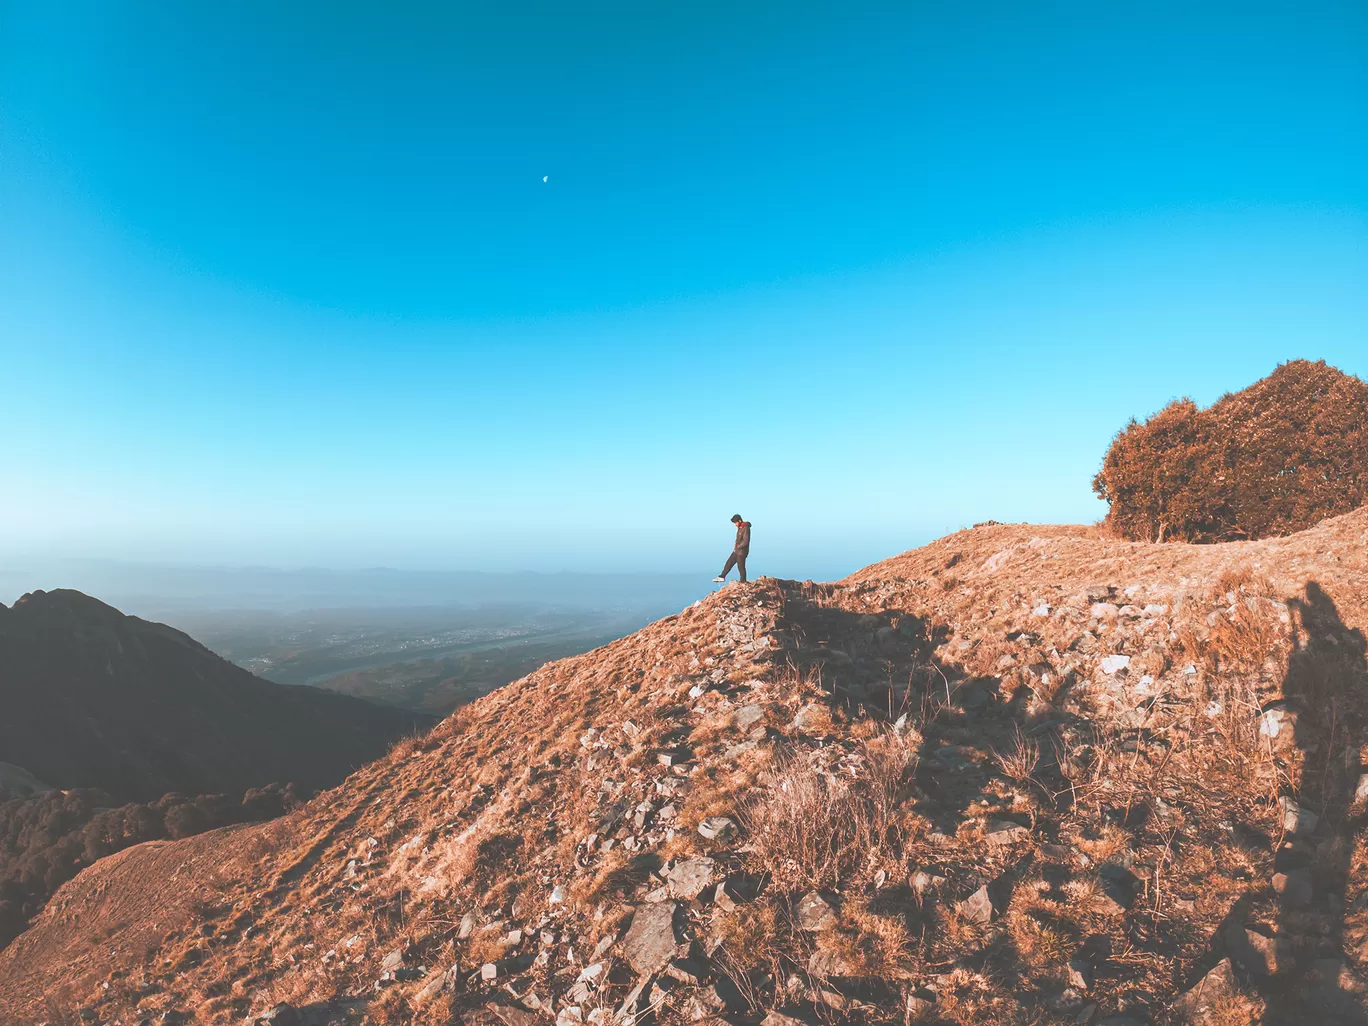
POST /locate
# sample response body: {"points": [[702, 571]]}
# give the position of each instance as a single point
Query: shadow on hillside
{"points": [[884, 665], [1326, 685]]}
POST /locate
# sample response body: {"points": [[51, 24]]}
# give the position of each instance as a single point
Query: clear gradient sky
{"points": [[283, 283]]}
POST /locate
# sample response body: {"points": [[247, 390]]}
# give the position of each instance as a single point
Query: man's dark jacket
{"points": [[742, 547]]}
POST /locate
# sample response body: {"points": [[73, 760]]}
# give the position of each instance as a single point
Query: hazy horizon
{"points": [[241, 585]]}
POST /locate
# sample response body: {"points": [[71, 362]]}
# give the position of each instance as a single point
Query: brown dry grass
{"points": [[807, 828]]}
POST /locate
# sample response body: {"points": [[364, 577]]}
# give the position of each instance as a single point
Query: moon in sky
{"points": [[545, 177]]}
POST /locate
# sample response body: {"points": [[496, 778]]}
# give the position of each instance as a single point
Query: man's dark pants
{"points": [[738, 560]]}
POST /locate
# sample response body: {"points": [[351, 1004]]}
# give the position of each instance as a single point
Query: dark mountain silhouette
{"points": [[90, 697]]}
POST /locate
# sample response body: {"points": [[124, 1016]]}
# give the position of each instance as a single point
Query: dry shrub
{"points": [[1272, 459], [485, 945], [1242, 641], [618, 874], [390, 1009], [1234, 1010], [801, 830], [1018, 763], [1110, 840], [1043, 943], [1043, 928], [749, 934], [1086, 896], [807, 829], [406, 747], [877, 946]]}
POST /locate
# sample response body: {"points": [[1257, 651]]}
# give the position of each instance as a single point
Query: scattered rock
{"points": [[430, 990], [635, 1002], [825, 964], [811, 718], [1001, 832], [392, 961], [780, 1019], [1294, 887], [1279, 723], [1065, 1002], [921, 881], [591, 972], [831, 998], [1361, 792], [605, 943], [489, 971], [921, 1002], [1114, 664], [688, 971], [717, 826], [651, 941], [660, 991], [813, 913], [977, 908], [1258, 952], [1297, 821], [724, 899], [748, 716], [511, 1015], [1216, 986], [710, 1001]]}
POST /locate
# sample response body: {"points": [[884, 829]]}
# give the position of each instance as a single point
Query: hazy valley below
{"points": [[426, 659]]}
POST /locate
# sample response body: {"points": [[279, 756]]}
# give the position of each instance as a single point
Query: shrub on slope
{"points": [[1272, 459]]}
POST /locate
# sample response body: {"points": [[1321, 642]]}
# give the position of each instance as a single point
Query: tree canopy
{"points": [[1274, 458]]}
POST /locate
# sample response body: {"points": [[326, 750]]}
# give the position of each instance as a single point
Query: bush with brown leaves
{"points": [[1277, 457]]}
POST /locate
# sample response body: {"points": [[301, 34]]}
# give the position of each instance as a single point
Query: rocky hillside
{"points": [[1022, 775], [90, 697]]}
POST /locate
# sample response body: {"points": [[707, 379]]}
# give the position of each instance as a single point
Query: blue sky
{"points": [[287, 287]]}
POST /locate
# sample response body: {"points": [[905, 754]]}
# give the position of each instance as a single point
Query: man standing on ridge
{"points": [[739, 551]]}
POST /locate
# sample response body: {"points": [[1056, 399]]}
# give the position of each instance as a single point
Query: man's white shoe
{"points": [[718, 580]]}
